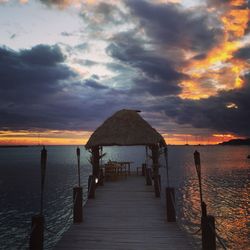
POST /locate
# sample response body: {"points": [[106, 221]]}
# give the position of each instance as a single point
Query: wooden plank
{"points": [[124, 215]]}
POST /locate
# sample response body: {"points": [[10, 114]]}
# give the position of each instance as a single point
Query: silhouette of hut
{"points": [[126, 128]]}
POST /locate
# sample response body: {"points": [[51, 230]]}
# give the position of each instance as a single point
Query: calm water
{"points": [[226, 187]]}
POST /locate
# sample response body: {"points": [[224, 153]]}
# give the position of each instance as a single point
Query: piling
{"points": [[208, 232], [159, 180], [170, 204], [91, 187], [157, 186], [101, 178], [77, 205], [37, 232], [148, 177], [143, 167]]}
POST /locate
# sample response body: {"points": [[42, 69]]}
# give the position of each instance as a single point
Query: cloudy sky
{"points": [[66, 65]]}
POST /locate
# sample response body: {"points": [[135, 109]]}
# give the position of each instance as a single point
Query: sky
{"points": [[65, 66]]}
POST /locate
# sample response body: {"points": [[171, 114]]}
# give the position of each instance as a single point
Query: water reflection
{"points": [[225, 172], [227, 198]]}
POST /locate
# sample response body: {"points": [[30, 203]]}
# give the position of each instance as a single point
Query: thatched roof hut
{"points": [[125, 128]]}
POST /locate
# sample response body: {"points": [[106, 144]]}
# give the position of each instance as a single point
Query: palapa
{"points": [[125, 128]]}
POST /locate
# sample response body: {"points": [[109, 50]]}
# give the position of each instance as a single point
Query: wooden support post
{"points": [[203, 209], [208, 233], [155, 158], [159, 180], [101, 178], [91, 187], [37, 232], [95, 161], [148, 176], [143, 169], [77, 204], [170, 204]]}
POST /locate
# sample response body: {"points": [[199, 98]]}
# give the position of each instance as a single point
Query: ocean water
{"points": [[225, 181]]}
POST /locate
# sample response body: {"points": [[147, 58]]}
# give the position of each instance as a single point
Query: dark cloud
{"points": [[94, 84], [154, 70], [43, 55], [212, 112], [28, 72], [243, 53], [172, 25], [38, 91], [154, 87]]}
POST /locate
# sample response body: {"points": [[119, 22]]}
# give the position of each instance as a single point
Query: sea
{"points": [[225, 174]]}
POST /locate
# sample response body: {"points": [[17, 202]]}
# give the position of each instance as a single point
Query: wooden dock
{"points": [[125, 215]]}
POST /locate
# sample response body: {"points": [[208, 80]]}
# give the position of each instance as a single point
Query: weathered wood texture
{"points": [[124, 216]]}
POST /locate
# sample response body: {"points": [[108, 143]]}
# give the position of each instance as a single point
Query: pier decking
{"points": [[125, 215]]}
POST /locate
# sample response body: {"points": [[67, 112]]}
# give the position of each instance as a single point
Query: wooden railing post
{"points": [[77, 204], [208, 232], [101, 178], [170, 204], [37, 232], [157, 186], [148, 177], [91, 187], [143, 169]]}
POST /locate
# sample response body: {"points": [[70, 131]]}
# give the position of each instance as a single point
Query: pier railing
{"points": [[207, 227], [209, 232]]}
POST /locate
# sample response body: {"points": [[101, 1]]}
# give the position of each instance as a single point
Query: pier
{"points": [[125, 210], [124, 215]]}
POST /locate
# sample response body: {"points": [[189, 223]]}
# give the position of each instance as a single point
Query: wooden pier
{"points": [[125, 215]]}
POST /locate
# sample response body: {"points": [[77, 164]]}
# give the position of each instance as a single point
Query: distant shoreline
{"points": [[236, 142]]}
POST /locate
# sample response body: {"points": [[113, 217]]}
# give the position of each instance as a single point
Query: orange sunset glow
{"points": [[219, 66], [53, 137], [60, 81], [80, 138]]}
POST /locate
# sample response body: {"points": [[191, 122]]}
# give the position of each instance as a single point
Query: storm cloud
{"points": [[144, 47], [171, 25], [38, 92], [213, 112]]}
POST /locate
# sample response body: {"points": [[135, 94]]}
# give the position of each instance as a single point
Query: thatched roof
{"points": [[125, 128]]}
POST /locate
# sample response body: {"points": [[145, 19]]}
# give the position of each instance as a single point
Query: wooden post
{"points": [[155, 158], [170, 204], [37, 232], [77, 204], [148, 177], [143, 169], [159, 180], [43, 174], [91, 187], [208, 233], [37, 224], [203, 209], [78, 166], [95, 163], [101, 178]]}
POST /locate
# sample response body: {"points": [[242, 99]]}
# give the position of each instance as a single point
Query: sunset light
{"points": [[108, 108], [120, 54]]}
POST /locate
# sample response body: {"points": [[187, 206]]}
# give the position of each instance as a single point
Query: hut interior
{"points": [[124, 128]]}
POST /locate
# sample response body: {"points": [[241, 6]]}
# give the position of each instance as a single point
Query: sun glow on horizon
{"points": [[50, 137], [65, 137]]}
